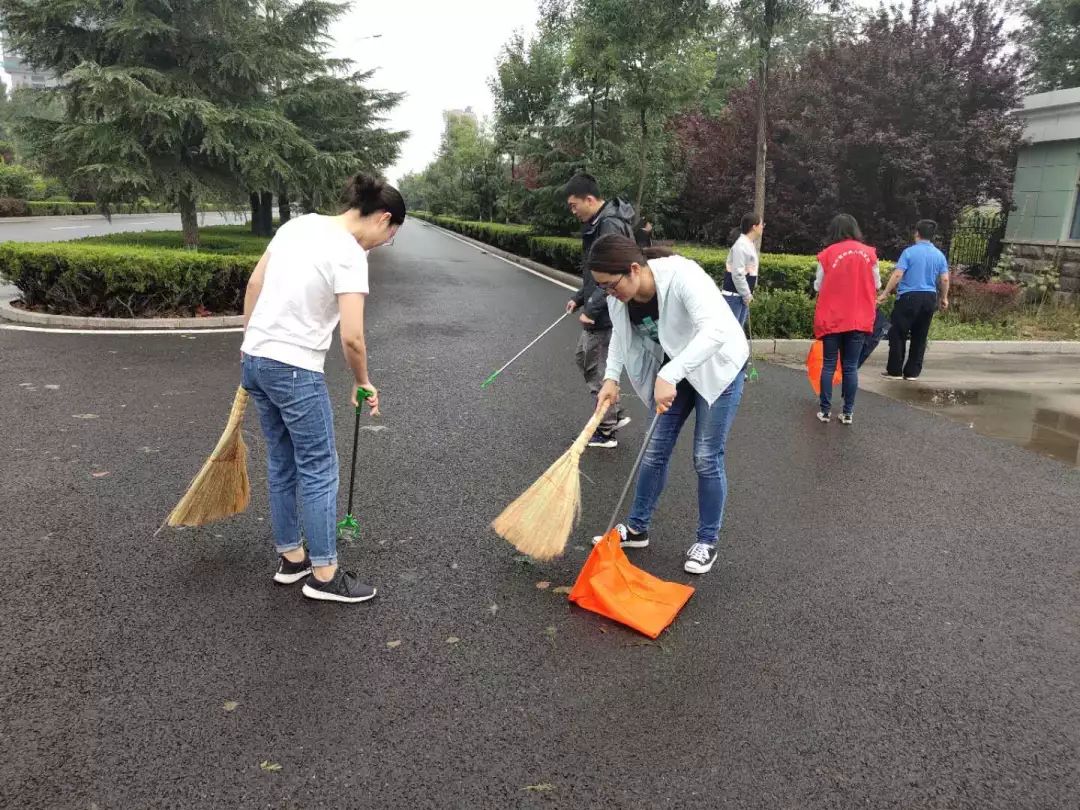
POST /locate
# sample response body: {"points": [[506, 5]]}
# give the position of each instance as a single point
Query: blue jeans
{"points": [[738, 307], [294, 411], [711, 428], [849, 346]]}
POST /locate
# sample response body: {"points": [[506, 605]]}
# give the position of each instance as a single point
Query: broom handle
{"points": [[491, 379], [633, 473], [583, 438]]}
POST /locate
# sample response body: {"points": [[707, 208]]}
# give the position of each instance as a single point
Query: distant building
{"points": [[1044, 227], [466, 113], [22, 75]]}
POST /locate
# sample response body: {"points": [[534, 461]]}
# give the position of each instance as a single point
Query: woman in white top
{"points": [[741, 267], [684, 353], [313, 274]]}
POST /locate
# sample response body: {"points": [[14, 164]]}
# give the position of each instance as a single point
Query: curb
{"points": [[969, 347], [556, 275], [16, 315]]}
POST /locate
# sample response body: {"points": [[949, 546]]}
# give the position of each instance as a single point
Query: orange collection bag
{"points": [[609, 585], [814, 361]]}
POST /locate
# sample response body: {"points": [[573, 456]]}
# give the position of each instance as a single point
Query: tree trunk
{"points": [[592, 126], [510, 188], [189, 218], [284, 206], [266, 211], [643, 163], [307, 203], [762, 107], [253, 197]]}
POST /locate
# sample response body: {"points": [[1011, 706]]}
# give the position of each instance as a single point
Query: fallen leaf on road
{"points": [[52, 387], [393, 644], [549, 631], [84, 416], [453, 640], [267, 765], [563, 589], [99, 474], [543, 787], [493, 609], [230, 705], [543, 586]]}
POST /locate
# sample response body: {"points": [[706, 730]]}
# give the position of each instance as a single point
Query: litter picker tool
{"points": [[491, 379], [752, 375], [539, 522], [349, 528]]}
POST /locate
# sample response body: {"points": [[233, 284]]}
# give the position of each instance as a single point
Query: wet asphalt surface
{"points": [[894, 621]]}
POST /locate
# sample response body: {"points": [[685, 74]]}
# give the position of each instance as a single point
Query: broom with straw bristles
{"points": [[539, 522], [221, 488]]}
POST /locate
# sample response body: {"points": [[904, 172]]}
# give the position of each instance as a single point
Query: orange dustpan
{"points": [[814, 361], [609, 585]]}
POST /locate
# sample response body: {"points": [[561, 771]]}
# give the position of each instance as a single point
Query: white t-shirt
{"points": [[313, 259]]}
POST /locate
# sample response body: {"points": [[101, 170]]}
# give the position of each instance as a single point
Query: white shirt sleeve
{"points": [[820, 278], [350, 271], [877, 276]]}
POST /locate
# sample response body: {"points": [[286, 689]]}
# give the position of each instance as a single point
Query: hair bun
{"points": [[365, 189]]}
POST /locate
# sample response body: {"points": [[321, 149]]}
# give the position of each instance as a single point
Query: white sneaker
{"points": [[700, 558], [847, 419], [629, 539], [623, 422], [824, 417]]}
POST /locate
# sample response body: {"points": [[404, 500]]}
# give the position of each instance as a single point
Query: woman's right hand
{"points": [[372, 400], [608, 396]]}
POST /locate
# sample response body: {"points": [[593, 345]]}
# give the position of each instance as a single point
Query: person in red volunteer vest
{"points": [[847, 282]]}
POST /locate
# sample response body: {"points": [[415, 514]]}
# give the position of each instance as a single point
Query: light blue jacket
{"points": [[697, 331]]}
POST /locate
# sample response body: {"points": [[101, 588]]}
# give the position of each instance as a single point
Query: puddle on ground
{"points": [[1028, 419]]}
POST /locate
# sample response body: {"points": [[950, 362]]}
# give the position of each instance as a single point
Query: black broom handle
{"points": [[633, 473]]}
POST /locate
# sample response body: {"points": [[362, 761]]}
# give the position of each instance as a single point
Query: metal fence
{"points": [[975, 244]]}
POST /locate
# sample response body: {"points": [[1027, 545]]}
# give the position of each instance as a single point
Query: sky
{"points": [[440, 52]]}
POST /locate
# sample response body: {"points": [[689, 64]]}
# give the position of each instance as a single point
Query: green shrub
{"points": [[16, 181], [233, 240], [58, 208], [782, 314], [11, 207], [560, 252], [122, 281]]}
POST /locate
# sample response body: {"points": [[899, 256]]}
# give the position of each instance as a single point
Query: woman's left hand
{"points": [[664, 394]]}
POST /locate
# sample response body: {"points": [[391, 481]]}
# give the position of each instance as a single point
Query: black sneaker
{"points": [[700, 558], [344, 587], [605, 440], [629, 538], [290, 572]]}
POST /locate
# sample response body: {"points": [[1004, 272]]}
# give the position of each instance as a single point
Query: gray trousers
{"points": [[592, 360]]}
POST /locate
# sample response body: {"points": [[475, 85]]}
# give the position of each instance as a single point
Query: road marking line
{"points": [[500, 258], [72, 228], [177, 332]]}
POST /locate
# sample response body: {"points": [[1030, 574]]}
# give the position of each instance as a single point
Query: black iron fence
{"points": [[975, 244]]}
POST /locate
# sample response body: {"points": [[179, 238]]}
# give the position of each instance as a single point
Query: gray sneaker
{"points": [[344, 587]]}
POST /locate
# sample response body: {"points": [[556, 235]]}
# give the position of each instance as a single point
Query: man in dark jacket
{"points": [[598, 217]]}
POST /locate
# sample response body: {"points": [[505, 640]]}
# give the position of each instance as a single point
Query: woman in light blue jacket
{"points": [[684, 353]]}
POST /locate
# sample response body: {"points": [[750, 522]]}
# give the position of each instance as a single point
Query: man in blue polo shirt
{"points": [[921, 274]]}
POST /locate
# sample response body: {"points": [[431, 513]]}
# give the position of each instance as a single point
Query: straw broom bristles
{"points": [[539, 522], [222, 487]]}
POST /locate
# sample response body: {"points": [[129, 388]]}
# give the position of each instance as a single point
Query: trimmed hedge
{"points": [[11, 207], [110, 276], [778, 271]]}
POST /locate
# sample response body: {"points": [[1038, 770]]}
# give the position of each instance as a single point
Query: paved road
{"points": [[893, 623], [58, 229]]}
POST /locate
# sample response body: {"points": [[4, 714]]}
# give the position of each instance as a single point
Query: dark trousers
{"points": [[911, 319]]}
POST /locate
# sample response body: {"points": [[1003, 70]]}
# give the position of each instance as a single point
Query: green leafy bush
{"points": [[16, 181], [135, 274], [778, 271], [782, 314], [11, 207]]}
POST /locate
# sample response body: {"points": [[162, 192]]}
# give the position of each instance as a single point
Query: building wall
{"points": [[1045, 192]]}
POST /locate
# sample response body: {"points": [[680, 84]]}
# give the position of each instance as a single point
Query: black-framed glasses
{"points": [[611, 286]]}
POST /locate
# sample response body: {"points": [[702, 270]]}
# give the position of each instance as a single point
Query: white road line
{"points": [[72, 228], [177, 332], [500, 258]]}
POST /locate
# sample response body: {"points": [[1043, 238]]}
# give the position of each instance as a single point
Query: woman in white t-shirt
{"points": [[741, 271], [313, 274]]}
